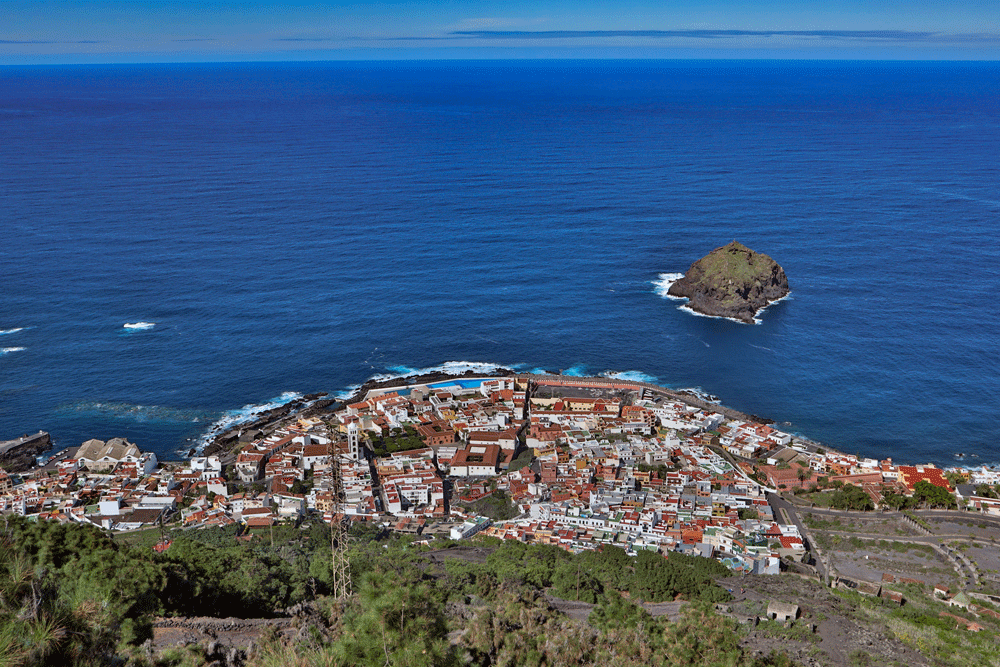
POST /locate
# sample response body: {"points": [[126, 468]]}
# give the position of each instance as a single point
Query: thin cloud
{"points": [[972, 38], [45, 41], [196, 39], [886, 35], [452, 36]]}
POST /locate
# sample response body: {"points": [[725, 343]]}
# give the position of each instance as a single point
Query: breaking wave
{"points": [[6, 332], [345, 394], [700, 393], [138, 326], [756, 317], [662, 284], [691, 311], [8, 350], [634, 376], [243, 415], [449, 367]]}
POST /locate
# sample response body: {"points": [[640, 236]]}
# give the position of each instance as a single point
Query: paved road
{"points": [[782, 507]]}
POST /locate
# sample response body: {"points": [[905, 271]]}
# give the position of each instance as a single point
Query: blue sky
{"points": [[96, 31]]}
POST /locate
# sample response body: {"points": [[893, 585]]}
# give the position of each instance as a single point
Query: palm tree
{"points": [[803, 474]]}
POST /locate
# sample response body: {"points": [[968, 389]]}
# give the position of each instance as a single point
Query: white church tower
{"points": [[354, 441]]}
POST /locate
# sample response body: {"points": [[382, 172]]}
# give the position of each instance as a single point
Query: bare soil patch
{"points": [[965, 526], [227, 632], [468, 554], [580, 611], [827, 632]]}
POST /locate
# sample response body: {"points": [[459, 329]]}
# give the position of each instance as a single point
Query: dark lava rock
{"points": [[732, 281]]}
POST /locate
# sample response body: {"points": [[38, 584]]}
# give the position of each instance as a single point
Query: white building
{"points": [[470, 528]]}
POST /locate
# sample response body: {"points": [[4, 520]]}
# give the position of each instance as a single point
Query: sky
{"points": [[132, 31]]}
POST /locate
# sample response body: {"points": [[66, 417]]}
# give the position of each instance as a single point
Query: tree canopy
{"points": [[71, 595], [850, 497], [925, 493]]}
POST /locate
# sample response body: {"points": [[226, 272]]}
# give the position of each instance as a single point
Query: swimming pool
{"points": [[465, 384]]}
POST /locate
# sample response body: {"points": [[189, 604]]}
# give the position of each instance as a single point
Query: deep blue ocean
{"points": [[302, 227]]}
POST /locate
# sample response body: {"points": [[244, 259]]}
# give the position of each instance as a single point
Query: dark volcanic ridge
{"points": [[734, 282]]}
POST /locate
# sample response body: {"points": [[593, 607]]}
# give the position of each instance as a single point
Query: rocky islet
{"points": [[733, 281]]}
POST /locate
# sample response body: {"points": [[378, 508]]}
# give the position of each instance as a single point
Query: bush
{"points": [[657, 578]]}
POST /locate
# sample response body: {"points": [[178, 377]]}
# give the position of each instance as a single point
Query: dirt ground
{"points": [[887, 526], [226, 632], [826, 632], [580, 611], [469, 554], [967, 527], [866, 547], [875, 558], [986, 558]]}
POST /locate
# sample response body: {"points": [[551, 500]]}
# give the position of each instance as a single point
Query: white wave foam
{"points": [[756, 317], [449, 367], [345, 394], [577, 370], [243, 415], [7, 332], [700, 393], [138, 326], [401, 372], [396, 372], [691, 311], [634, 376], [661, 285], [665, 280], [8, 350], [252, 409]]}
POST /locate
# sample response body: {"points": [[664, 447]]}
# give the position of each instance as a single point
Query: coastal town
{"points": [[572, 462]]}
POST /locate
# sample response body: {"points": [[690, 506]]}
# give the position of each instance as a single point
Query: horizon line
{"points": [[302, 61]]}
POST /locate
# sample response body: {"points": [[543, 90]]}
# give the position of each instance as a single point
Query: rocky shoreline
{"points": [[318, 404], [225, 441], [424, 378], [18, 455]]}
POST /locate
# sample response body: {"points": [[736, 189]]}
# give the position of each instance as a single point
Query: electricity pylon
{"points": [[340, 565]]}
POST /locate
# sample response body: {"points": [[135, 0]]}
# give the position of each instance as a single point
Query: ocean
{"points": [[281, 229]]}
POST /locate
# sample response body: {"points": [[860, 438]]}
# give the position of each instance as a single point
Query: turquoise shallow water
{"points": [[302, 227]]}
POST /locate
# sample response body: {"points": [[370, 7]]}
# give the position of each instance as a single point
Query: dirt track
{"points": [[229, 632]]}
